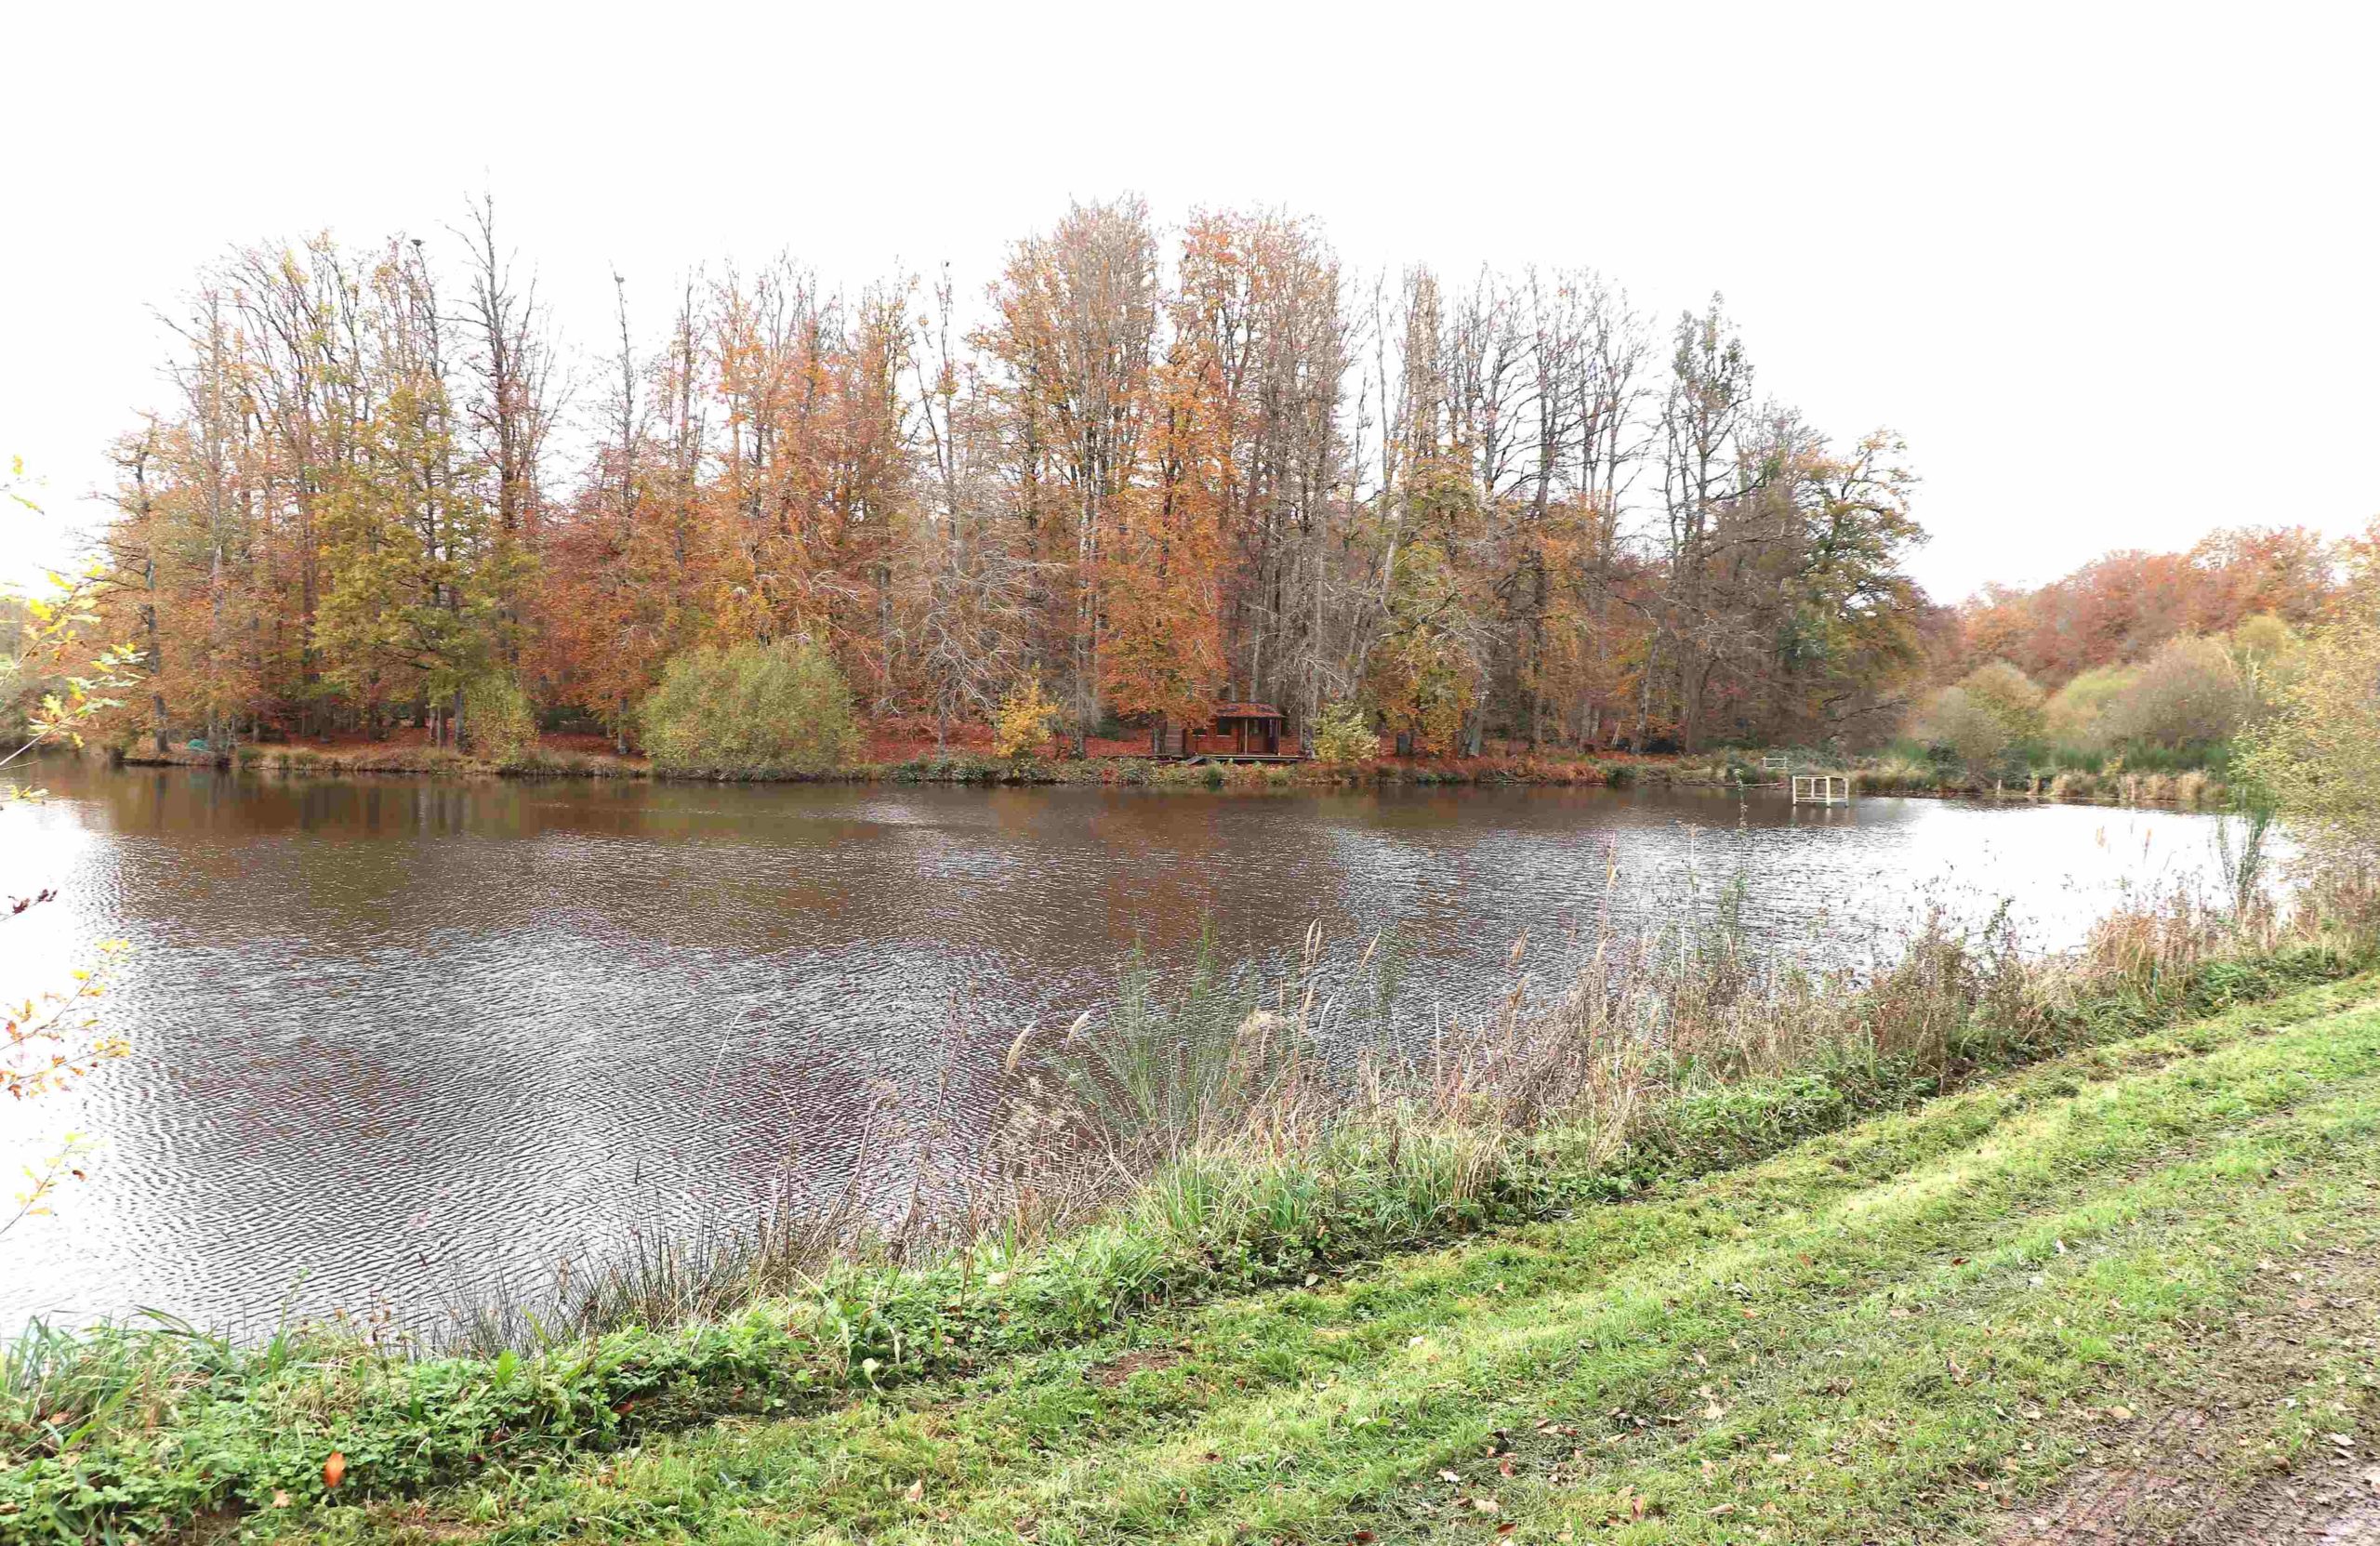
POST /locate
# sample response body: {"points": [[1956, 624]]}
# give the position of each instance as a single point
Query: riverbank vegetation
{"points": [[1202, 1137], [2139, 677], [2183, 710], [1512, 517], [2008, 1302], [752, 712]]}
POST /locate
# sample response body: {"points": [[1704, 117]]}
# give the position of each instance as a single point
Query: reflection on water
{"points": [[385, 1025]]}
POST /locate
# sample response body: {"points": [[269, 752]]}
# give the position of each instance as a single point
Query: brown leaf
{"points": [[334, 1468], [916, 1490]]}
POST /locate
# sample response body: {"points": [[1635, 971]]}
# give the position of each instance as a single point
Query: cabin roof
{"points": [[1247, 711]]}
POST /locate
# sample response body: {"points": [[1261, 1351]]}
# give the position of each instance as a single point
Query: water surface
{"points": [[390, 1031]]}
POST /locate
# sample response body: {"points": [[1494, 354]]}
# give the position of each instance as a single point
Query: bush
{"points": [[2319, 758], [2009, 697], [1025, 719], [1343, 733], [2076, 715], [750, 711], [2190, 693], [1986, 723], [1960, 730], [499, 723]]}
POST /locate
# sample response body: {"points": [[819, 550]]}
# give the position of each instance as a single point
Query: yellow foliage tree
{"points": [[1027, 718]]}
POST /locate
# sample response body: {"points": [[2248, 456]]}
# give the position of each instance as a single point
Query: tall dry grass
{"points": [[1252, 1085], [1229, 1112]]}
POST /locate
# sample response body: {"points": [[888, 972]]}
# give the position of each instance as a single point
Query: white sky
{"points": [[2108, 269]]}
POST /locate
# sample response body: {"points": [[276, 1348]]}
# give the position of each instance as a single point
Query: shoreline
{"points": [[2188, 790], [1212, 1219]]}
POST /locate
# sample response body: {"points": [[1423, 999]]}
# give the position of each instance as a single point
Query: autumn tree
{"points": [[1158, 467], [965, 572], [1072, 343]]}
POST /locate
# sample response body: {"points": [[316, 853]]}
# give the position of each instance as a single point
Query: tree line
{"points": [[1147, 468], [2151, 661]]}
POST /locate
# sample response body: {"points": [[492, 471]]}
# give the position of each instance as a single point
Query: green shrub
{"points": [[2075, 716], [499, 723], [1343, 733], [1960, 731], [2320, 756], [2190, 693], [751, 711], [2009, 695]]}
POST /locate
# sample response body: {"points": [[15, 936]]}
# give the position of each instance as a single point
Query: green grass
{"points": [[1904, 1326]]}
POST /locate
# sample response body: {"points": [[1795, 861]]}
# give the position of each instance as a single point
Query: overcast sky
{"points": [[2110, 271]]}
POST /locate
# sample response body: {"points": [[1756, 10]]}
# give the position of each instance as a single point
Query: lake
{"points": [[392, 1032]]}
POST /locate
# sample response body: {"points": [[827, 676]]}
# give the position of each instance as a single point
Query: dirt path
{"points": [[2207, 1474]]}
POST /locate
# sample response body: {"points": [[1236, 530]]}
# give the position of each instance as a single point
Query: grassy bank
{"points": [[1262, 1167], [1913, 1327], [1914, 1323], [2191, 788]]}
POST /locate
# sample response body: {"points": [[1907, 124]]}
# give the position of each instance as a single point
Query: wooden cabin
{"points": [[1238, 733]]}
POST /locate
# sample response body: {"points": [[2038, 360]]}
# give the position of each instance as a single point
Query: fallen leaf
{"points": [[916, 1490]]}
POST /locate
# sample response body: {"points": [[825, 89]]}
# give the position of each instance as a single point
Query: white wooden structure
{"points": [[1822, 789]]}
